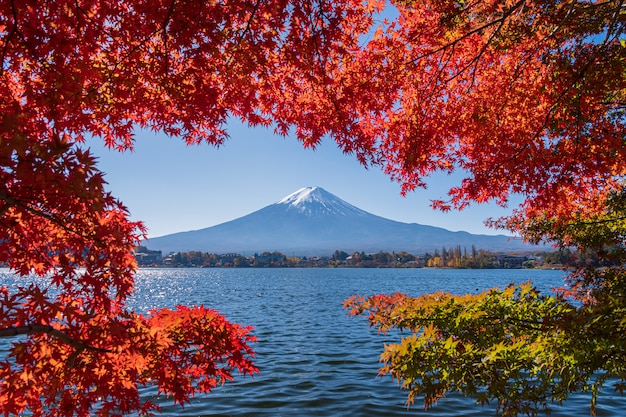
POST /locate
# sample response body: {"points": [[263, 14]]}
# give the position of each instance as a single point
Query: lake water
{"points": [[314, 360]]}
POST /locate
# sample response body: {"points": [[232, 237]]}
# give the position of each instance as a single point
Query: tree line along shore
{"points": [[455, 257]]}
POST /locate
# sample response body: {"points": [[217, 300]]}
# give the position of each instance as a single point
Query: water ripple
{"points": [[315, 361]]}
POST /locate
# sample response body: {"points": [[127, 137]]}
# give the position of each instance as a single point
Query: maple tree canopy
{"points": [[522, 96], [525, 97], [78, 68]]}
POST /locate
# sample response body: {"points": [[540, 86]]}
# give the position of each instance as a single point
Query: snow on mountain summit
{"points": [[302, 196], [315, 200]]}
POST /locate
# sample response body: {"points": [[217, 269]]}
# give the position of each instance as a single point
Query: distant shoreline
{"points": [[452, 258]]}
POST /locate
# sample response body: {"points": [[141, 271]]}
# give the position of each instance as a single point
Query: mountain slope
{"points": [[313, 221]]}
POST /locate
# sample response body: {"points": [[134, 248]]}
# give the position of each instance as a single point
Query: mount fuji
{"points": [[313, 221]]}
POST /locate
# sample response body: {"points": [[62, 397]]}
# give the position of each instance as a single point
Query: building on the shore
{"points": [[145, 256]]}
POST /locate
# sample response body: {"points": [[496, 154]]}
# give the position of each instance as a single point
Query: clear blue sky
{"points": [[173, 187]]}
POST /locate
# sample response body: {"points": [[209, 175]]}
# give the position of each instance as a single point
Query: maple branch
{"points": [[245, 31], [557, 28], [9, 36], [598, 222], [538, 325], [10, 201], [474, 62], [577, 77], [90, 19], [5, 208], [249, 22], [479, 29], [27, 45], [123, 58], [40, 328], [166, 22], [616, 14], [580, 75]]}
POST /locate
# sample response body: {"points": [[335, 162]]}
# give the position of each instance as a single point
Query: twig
{"points": [[40, 328]]}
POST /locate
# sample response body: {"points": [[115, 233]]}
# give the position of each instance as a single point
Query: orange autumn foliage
{"points": [[522, 96]]}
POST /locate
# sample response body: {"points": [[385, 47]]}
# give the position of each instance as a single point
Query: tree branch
{"points": [[40, 328], [10, 201], [9, 36], [245, 31], [166, 22], [479, 29]]}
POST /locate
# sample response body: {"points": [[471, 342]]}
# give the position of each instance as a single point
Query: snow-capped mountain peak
{"points": [[315, 200], [302, 196], [313, 221]]}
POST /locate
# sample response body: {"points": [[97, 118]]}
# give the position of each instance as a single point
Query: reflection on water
{"points": [[314, 360]]}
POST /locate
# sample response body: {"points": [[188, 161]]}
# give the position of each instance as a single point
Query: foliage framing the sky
{"points": [[522, 96]]}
